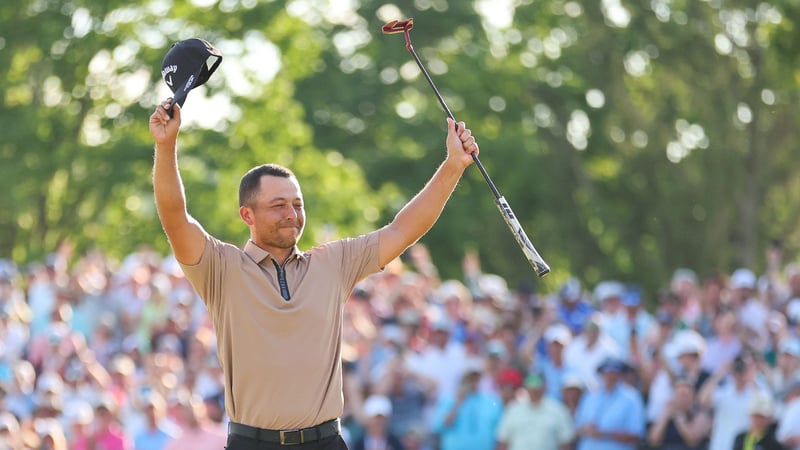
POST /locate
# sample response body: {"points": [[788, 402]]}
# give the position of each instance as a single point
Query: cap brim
{"points": [[179, 93]]}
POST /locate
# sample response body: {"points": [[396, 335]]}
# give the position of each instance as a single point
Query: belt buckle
{"points": [[292, 437]]}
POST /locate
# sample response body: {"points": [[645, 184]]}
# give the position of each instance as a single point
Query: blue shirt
{"points": [[151, 440], [552, 376], [474, 425], [620, 410], [575, 318]]}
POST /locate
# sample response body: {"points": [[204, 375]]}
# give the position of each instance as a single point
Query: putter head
{"points": [[398, 26]]}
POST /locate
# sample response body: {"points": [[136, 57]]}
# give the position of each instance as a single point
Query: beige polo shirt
{"points": [[281, 359]]}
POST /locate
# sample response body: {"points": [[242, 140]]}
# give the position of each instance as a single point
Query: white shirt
{"points": [[584, 360], [731, 415], [789, 425], [446, 366], [526, 426]]}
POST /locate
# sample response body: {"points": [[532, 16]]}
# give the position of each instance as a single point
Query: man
{"points": [[587, 351], [573, 309], [761, 433], [687, 347], [277, 311], [553, 367], [788, 432], [681, 425], [611, 417], [730, 400], [378, 409], [197, 430], [155, 435], [468, 420], [538, 421]]}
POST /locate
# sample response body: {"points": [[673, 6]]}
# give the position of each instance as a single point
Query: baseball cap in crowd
{"points": [[496, 348], [558, 333], [377, 405], [743, 278], [632, 296], [683, 274], [761, 404], [534, 380], [608, 289], [612, 365], [189, 64], [571, 290], [509, 377], [687, 342], [572, 380]]}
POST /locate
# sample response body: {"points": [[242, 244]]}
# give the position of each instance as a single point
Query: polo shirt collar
{"points": [[258, 254]]}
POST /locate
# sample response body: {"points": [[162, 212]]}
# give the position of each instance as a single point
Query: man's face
{"points": [[277, 213]]}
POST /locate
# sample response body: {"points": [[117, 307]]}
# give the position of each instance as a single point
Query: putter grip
{"points": [[525, 244]]}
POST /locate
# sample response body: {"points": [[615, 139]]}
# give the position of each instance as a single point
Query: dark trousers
{"points": [[236, 442]]}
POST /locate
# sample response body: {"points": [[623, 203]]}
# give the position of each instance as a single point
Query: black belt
{"points": [[287, 437]]}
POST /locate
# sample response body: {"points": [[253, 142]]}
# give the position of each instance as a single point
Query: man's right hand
{"points": [[163, 128]]}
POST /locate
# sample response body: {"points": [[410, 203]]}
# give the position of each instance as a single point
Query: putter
{"points": [[539, 265]]}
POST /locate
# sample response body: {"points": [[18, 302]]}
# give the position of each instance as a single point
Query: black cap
{"points": [[188, 64]]}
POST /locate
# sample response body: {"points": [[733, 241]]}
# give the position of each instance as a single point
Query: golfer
{"points": [[277, 310]]}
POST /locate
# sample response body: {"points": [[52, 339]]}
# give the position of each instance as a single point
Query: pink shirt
{"points": [[210, 438], [113, 439]]}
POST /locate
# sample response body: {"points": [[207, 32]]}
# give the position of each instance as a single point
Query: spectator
{"points": [[572, 389], [535, 421], [108, 435], [10, 433], [509, 381], [573, 309], [20, 399], [408, 393], [197, 432], [553, 367], [687, 347], [684, 285], [725, 345], [788, 432], [761, 432], [467, 420], [611, 417], [614, 320], [51, 434], [587, 351], [729, 401], [442, 359], [377, 436], [787, 370], [640, 322], [79, 416], [711, 301], [156, 433], [752, 313], [682, 425]]}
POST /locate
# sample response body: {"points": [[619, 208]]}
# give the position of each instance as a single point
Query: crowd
{"points": [[103, 355]]}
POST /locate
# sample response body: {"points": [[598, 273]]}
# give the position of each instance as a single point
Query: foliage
{"points": [[631, 138]]}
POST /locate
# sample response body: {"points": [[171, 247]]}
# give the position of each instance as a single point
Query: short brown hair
{"points": [[250, 181]]}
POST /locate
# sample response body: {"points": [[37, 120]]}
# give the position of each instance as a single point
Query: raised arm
{"points": [[185, 234], [419, 214]]}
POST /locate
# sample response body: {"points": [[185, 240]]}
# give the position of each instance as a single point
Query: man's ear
{"points": [[246, 214]]}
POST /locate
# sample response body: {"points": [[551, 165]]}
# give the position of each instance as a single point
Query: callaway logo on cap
{"points": [[188, 64]]}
